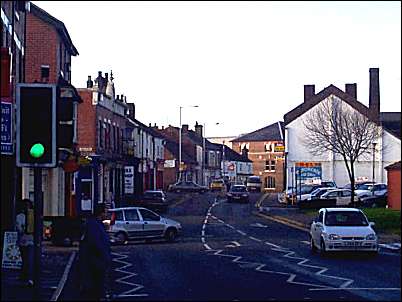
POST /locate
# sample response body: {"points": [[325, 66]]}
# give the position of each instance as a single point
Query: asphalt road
{"points": [[228, 253]]}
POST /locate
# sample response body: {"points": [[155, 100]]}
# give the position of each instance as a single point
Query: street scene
{"points": [[174, 153]]}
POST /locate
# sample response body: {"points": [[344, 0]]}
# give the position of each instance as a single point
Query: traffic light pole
{"points": [[38, 229]]}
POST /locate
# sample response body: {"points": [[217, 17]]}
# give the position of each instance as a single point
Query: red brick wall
{"points": [[42, 48], [86, 121], [394, 189]]}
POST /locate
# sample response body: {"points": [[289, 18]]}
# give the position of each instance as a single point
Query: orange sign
{"points": [[308, 164]]}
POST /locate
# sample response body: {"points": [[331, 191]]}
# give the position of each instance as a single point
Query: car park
{"points": [[317, 193], [217, 185], [342, 229], [187, 186], [132, 223], [238, 193], [342, 197], [365, 190]]}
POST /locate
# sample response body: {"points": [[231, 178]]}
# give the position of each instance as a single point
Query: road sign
{"points": [[11, 252], [6, 128], [279, 148]]}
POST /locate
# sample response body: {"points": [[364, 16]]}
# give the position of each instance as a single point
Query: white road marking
{"points": [[240, 232], [255, 239], [258, 225], [305, 242], [356, 288], [63, 280], [207, 246], [235, 244], [202, 239], [202, 233], [271, 244], [229, 226]]}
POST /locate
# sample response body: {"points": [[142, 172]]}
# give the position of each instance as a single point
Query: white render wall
{"points": [[333, 168]]}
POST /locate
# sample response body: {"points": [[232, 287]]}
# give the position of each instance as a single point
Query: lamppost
{"points": [[195, 106]]}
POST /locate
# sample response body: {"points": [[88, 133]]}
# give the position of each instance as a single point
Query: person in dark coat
{"points": [[94, 256]]}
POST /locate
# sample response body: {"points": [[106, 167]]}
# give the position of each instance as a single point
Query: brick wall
{"points": [[42, 48], [86, 121], [394, 189]]}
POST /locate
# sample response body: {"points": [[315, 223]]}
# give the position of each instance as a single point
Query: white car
{"points": [[342, 229], [316, 194], [366, 190], [342, 196]]}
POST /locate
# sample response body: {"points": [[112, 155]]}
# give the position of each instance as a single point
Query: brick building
{"points": [[265, 149], [101, 126], [48, 60], [13, 33]]}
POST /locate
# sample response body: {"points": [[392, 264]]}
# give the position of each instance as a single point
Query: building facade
{"points": [[266, 150], [331, 167], [394, 186]]}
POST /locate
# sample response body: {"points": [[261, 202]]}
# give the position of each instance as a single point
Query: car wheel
{"points": [[323, 251], [171, 235], [121, 237], [312, 245]]}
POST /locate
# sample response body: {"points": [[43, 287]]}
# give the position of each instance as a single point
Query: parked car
{"points": [[238, 193], [357, 184], [154, 200], [342, 229], [378, 189], [187, 186], [374, 201], [139, 223], [254, 183], [331, 184], [303, 192], [342, 196], [317, 193], [217, 185]]}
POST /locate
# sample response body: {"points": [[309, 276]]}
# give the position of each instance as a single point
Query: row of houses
{"points": [[113, 157]]}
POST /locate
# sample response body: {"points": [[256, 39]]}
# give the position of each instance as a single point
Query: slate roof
{"points": [[173, 147], [394, 166], [199, 141], [232, 155], [60, 27], [268, 133], [391, 121]]}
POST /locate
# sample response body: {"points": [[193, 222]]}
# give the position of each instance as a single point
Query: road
{"points": [[228, 253]]}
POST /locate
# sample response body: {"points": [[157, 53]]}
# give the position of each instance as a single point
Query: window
{"points": [[148, 215], [346, 193], [100, 126], [131, 215], [270, 165], [270, 182], [44, 72], [114, 138], [321, 217]]}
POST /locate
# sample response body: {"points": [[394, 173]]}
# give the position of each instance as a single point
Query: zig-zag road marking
{"points": [[274, 247], [136, 287]]}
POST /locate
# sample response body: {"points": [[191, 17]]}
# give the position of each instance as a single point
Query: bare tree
{"points": [[334, 126]]}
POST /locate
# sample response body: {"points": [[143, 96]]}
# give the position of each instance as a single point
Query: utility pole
{"points": [[38, 229]]}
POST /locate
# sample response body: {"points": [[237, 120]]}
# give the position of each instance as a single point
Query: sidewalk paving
{"points": [[293, 215], [54, 262]]}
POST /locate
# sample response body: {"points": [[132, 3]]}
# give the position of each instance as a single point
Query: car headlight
{"points": [[371, 237], [334, 237], [244, 195], [230, 195]]}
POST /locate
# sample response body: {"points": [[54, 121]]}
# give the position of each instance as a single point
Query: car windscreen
{"points": [[238, 189], [365, 187], [306, 190], [152, 195], [345, 218], [254, 180]]}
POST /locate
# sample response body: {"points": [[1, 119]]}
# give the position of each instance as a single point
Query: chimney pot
{"points": [[351, 89], [184, 128], [90, 83], [309, 92]]}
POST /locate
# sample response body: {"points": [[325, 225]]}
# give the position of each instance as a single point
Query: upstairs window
{"points": [[270, 165]]}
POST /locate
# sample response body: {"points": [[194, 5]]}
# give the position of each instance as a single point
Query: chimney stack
{"points": [[90, 83], [374, 96], [131, 111], [309, 92], [198, 129], [184, 128], [244, 152], [351, 89]]}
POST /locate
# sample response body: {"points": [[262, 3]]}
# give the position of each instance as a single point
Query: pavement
{"points": [[55, 272], [269, 207]]}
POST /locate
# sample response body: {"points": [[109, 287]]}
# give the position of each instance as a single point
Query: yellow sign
{"points": [[182, 166], [279, 148], [82, 161]]}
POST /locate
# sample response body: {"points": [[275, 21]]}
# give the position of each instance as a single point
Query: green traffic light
{"points": [[37, 150]]}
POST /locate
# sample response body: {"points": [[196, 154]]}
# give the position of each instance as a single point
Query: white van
{"points": [[254, 183]]}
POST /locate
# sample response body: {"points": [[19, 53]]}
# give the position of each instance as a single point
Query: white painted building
{"points": [[387, 147]]}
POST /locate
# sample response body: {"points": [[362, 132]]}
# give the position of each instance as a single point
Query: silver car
{"points": [[130, 223]]}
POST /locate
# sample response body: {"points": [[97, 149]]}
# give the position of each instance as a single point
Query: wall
{"points": [[394, 189]]}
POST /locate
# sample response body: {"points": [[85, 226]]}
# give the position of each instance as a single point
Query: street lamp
{"points": [[374, 162], [195, 106]]}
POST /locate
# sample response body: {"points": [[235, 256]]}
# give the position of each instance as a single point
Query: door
{"points": [[153, 226], [344, 199], [318, 227], [133, 224]]}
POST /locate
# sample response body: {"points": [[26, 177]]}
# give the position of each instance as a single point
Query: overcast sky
{"points": [[243, 63]]}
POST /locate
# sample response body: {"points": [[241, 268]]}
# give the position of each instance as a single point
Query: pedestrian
{"points": [[95, 256], [25, 228]]}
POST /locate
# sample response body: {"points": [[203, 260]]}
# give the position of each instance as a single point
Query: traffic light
{"points": [[36, 125]]}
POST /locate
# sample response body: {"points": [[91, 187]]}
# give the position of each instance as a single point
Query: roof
{"points": [[173, 148], [391, 121], [148, 129], [60, 27], [232, 155], [268, 133], [198, 140], [394, 166], [323, 94]]}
